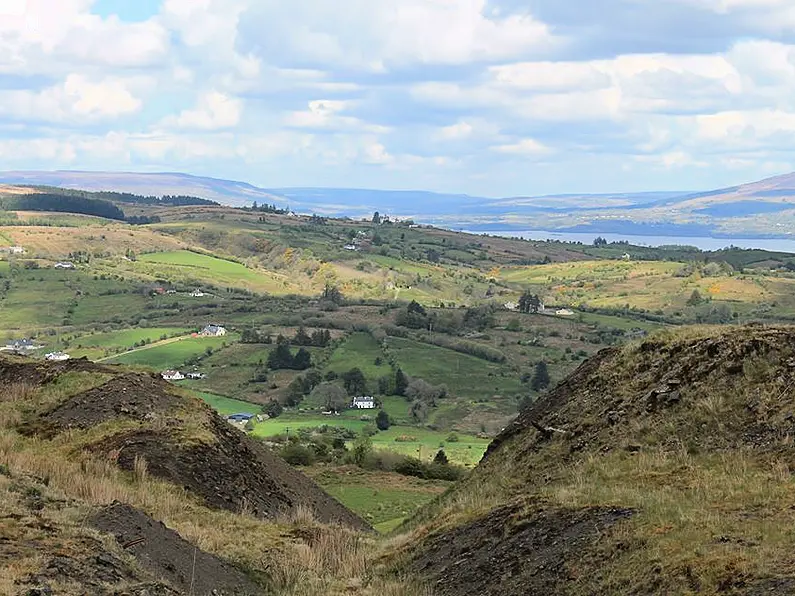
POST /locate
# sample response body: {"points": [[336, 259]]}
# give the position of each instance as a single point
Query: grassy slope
{"points": [[464, 375], [360, 351], [171, 355], [707, 475], [212, 270], [382, 498], [78, 484]]}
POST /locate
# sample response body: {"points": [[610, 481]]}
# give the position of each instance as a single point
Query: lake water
{"points": [[704, 243]]}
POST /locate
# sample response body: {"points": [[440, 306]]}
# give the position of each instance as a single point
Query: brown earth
{"points": [[133, 396], [219, 463], [38, 372], [513, 551], [234, 473], [166, 555], [657, 387], [69, 560], [704, 395]]}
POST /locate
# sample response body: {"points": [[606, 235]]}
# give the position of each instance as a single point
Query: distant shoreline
{"points": [[779, 244]]}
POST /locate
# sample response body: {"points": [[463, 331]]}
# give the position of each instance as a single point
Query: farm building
{"points": [[15, 250], [196, 376], [22, 345], [197, 294], [240, 417], [213, 330], [363, 403], [172, 375], [57, 356], [64, 265], [564, 312]]}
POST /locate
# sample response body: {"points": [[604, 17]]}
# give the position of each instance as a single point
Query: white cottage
{"points": [[363, 403]]}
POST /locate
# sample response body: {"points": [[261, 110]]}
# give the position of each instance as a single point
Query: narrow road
{"points": [[162, 342]]}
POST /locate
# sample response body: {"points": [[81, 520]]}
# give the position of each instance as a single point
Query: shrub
{"points": [[298, 455], [382, 420], [274, 409]]}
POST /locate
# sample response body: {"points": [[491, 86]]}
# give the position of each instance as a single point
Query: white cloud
{"points": [[458, 131], [76, 99], [378, 35], [39, 36], [468, 129], [551, 76], [327, 114], [673, 159], [524, 147], [376, 153], [214, 111], [378, 86]]}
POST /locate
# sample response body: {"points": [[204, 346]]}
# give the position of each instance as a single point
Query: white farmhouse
{"points": [[363, 403], [57, 356], [172, 375], [213, 330], [22, 345]]}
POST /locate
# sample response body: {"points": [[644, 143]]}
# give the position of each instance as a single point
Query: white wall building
{"points": [[363, 403]]}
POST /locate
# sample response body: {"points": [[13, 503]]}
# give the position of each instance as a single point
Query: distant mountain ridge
{"points": [[763, 208], [330, 201]]}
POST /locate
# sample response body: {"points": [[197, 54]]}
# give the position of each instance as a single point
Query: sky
{"points": [[484, 97]]}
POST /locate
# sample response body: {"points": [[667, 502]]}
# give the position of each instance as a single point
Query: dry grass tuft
{"points": [[301, 556]]}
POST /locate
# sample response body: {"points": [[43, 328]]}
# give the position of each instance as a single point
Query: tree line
{"points": [[62, 204], [126, 197]]}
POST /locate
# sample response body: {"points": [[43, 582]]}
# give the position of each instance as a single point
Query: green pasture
{"points": [[127, 338], [223, 405], [408, 440], [359, 351], [173, 354], [464, 375], [384, 500], [185, 265]]}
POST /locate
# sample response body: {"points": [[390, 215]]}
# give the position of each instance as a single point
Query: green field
{"points": [[172, 355], [185, 265], [127, 338], [223, 405], [467, 450], [293, 422], [418, 442], [359, 351], [464, 375], [107, 309], [35, 302], [383, 499]]}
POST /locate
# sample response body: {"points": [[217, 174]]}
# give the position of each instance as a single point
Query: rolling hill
{"points": [[758, 209], [656, 468]]}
